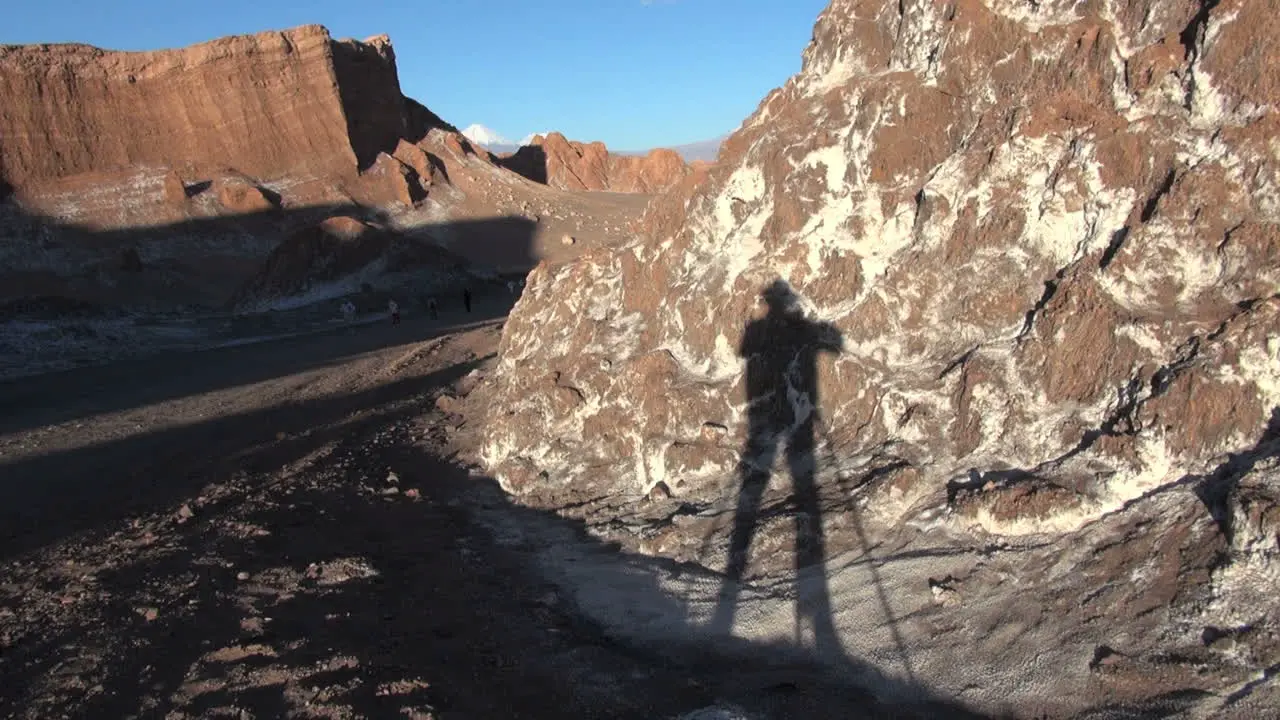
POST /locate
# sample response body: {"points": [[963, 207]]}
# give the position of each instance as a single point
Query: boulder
{"points": [[240, 196]]}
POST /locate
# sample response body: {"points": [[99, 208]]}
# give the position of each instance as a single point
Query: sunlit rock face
{"points": [[1047, 234], [555, 160]]}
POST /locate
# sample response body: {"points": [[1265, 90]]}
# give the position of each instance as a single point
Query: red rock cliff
{"points": [[271, 104], [569, 165]]}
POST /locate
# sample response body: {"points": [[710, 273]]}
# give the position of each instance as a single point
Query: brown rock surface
{"points": [[562, 163], [1045, 237], [240, 196], [268, 104]]}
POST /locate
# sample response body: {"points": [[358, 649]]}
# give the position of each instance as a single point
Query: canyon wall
{"points": [[269, 105]]}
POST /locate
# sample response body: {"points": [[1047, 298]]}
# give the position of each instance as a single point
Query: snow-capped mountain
{"points": [[482, 135]]}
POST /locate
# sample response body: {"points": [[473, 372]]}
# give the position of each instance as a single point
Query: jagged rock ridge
{"points": [[559, 162], [1047, 236]]}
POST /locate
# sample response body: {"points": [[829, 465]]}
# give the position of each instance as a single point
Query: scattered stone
{"points": [[943, 592], [660, 491]]}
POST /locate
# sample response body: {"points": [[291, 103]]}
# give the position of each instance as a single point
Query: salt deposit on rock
{"points": [[1047, 239]]}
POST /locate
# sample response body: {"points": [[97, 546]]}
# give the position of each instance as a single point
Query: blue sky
{"points": [[633, 73]]}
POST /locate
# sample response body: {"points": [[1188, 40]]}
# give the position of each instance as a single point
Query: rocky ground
{"points": [[287, 529]]}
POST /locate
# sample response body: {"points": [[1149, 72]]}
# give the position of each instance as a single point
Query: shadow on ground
{"points": [[45, 498], [308, 578], [70, 395]]}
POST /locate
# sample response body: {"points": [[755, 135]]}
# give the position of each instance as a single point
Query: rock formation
{"points": [[346, 250], [201, 160], [1030, 259], [269, 105], [569, 165]]}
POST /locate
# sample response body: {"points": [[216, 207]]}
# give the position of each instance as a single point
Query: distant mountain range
{"points": [[705, 150], [495, 142]]}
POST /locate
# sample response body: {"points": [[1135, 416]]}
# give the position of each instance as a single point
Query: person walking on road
{"points": [[348, 311], [466, 298], [433, 308], [394, 307]]}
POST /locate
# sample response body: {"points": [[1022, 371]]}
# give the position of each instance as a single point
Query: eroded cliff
{"points": [[268, 105]]}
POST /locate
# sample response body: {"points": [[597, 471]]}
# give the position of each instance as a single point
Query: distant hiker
{"points": [[433, 308], [511, 287], [466, 298], [395, 311], [348, 311]]}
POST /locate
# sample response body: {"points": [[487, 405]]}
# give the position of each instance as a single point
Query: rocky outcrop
{"points": [[338, 255], [1029, 257], [562, 163]]}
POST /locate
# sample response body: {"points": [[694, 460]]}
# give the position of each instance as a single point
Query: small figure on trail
{"points": [[433, 308], [395, 311], [348, 311], [511, 287], [466, 298]]}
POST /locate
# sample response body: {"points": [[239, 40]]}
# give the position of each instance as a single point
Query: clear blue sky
{"points": [[633, 73]]}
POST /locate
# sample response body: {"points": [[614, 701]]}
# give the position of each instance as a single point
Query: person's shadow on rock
{"points": [[781, 351]]}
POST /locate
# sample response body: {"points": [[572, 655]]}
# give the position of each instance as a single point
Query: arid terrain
{"points": [[952, 388], [293, 529]]}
